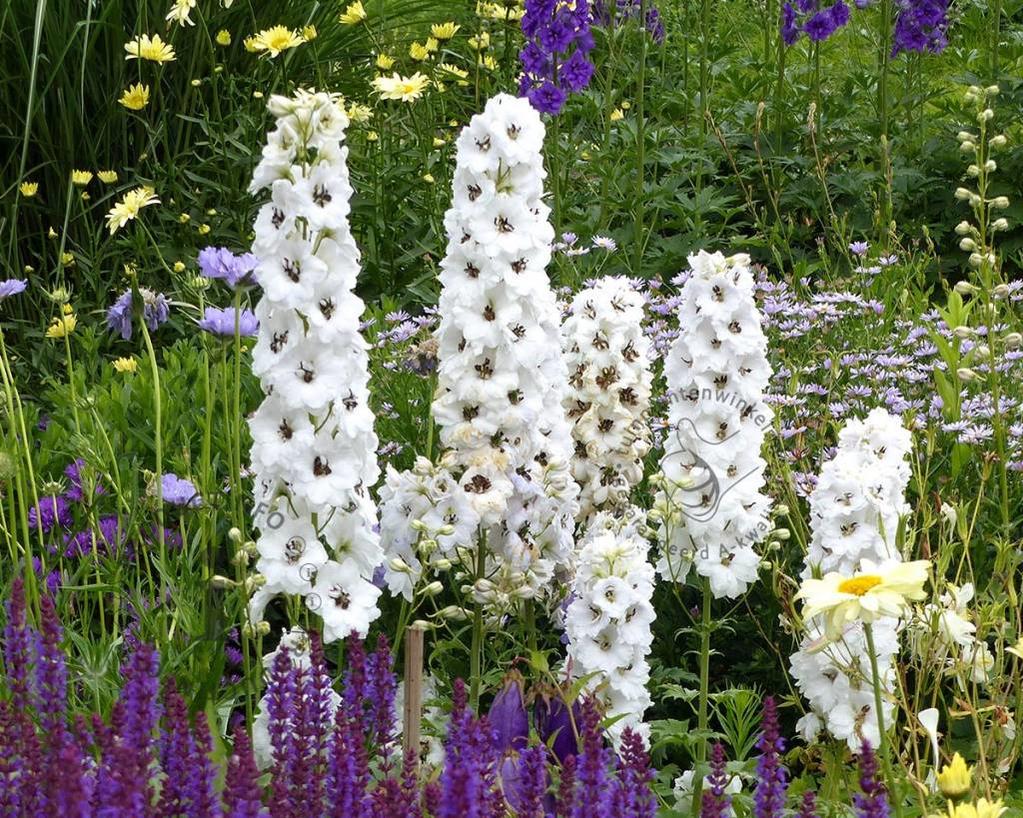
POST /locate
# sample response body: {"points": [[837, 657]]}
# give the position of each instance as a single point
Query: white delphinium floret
{"points": [[854, 516], [710, 506], [608, 359], [314, 447], [608, 622], [501, 377]]}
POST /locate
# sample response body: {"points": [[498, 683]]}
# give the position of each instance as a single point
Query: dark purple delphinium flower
{"points": [[808, 805], [243, 797], [177, 491], [806, 17], [872, 801], [772, 784], [51, 511], [827, 21], [920, 26], [222, 322], [633, 795], [614, 12], [155, 311], [221, 263], [12, 286], [508, 717], [554, 59], [716, 803], [789, 26]]}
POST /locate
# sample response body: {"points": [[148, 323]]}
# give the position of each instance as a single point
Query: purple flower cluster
{"points": [[772, 784], [222, 322], [555, 61], [872, 801], [921, 25], [807, 17], [12, 286], [120, 316], [716, 802], [611, 13], [221, 263], [177, 491]]}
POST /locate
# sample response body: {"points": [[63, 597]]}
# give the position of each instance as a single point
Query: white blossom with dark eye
{"points": [[710, 505], [854, 515], [607, 356], [314, 447]]}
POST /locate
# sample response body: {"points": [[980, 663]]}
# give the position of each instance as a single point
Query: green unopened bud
{"points": [[241, 557], [965, 136], [254, 583], [966, 288], [976, 259], [1013, 340], [399, 566], [982, 351], [990, 166], [452, 613], [967, 375], [417, 525], [967, 244], [963, 228], [962, 194], [986, 115], [998, 141], [782, 534], [234, 535], [973, 170], [1000, 202], [781, 510], [967, 147], [1000, 224], [1001, 291], [442, 564], [222, 583], [992, 90], [433, 588], [963, 332]]}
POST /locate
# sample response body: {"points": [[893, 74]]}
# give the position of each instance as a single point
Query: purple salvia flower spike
{"points": [[872, 801], [769, 797], [242, 793], [808, 805], [716, 803]]}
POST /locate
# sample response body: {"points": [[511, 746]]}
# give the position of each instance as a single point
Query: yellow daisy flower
{"points": [[384, 62], [154, 50], [67, 259], [372, 136], [28, 189], [406, 89], [107, 177], [179, 266], [617, 114], [128, 208], [481, 41], [417, 51], [982, 809], [444, 31], [355, 13], [359, 114], [81, 177], [180, 12], [136, 97], [309, 33], [126, 365], [276, 40], [453, 70], [955, 779]]}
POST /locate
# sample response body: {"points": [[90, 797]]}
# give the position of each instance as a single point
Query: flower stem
{"points": [[702, 716], [883, 748]]}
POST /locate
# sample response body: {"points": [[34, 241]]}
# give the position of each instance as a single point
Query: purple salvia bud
{"points": [[808, 806], [508, 715], [772, 784], [716, 803], [202, 774], [343, 783], [317, 719], [19, 651], [281, 705], [591, 764], [51, 673], [175, 755], [382, 693], [72, 792], [526, 789], [356, 683], [566, 789], [12, 765], [242, 793], [872, 802], [635, 776]]}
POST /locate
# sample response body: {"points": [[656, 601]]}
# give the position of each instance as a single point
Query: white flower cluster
{"points": [[313, 444], [855, 510], [944, 631], [608, 620], [709, 504], [425, 518], [608, 360], [500, 374]]}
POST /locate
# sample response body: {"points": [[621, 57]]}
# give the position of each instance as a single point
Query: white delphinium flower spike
{"points": [[710, 507], [501, 377], [608, 360], [314, 447], [854, 516], [608, 621]]}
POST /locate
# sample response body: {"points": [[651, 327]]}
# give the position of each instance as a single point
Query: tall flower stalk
{"points": [[314, 447]]}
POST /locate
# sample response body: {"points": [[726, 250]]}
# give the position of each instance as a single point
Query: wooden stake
{"points": [[413, 710]]}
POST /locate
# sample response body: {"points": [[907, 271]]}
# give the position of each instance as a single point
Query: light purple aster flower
{"points": [[859, 248], [179, 492], [222, 322]]}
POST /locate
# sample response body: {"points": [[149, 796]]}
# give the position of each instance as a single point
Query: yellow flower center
{"points": [[858, 586]]}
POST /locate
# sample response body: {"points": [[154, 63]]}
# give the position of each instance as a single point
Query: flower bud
{"points": [[782, 534], [982, 351], [222, 583], [967, 375], [963, 228], [781, 510], [962, 194], [990, 166], [967, 244], [966, 288], [976, 259], [433, 588], [973, 170], [986, 115], [1000, 202], [965, 136], [998, 141], [399, 566], [443, 564], [452, 613], [967, 147], [992, 90], [1000, 224], [1013, 340], [1001, 291], [962, 331]]}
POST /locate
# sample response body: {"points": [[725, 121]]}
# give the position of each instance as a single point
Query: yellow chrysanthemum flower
{"points": [[438, 142], [617, 114], [428, 177], [250, 44], [489, 62], [955, 779], [982, 809], [384, 62], [63, 325], [406, 89], [223, 37], [432, 44], [444, 31], [276, 40], [481, 41], [358, 113], [126, 365], [154, 50], [128, 208], [28, 189], [136, 97], [180, 12], [107, 177], [81, 177], [453, 70], [309, 33], [874, 592], [495, 11], [417, 51], [353, 14]]}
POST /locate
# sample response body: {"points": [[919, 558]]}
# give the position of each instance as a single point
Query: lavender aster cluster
{"points": [[807, 17], [921, 25], [555, 61]]}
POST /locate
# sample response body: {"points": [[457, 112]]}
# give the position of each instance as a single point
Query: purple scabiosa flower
{"points": [[222, 322], [221, 263], [243, 797], [555, 58], [920, 26], [872, 800], [108, 537], [155, 311], [769, 797], [716, 803], [12, 286], [73, 473], [177, 491], [50, 512]]}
